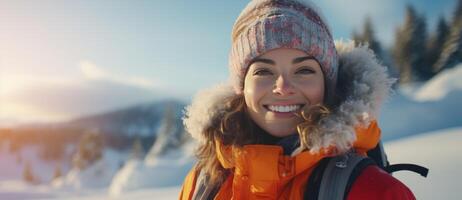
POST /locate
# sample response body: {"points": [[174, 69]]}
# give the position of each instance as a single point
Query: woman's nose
{"points": [[283, 86]]}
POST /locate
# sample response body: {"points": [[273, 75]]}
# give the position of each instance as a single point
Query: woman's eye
{"points": [[305, 71], [261, 72]]}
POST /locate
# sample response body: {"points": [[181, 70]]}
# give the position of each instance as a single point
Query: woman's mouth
{"points": [[284, 108]]}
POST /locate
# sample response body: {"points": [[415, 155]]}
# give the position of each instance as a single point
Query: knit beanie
{"points": [[264, 25]]}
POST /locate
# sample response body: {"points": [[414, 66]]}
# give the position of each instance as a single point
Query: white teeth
{"points": [[290, 108]]}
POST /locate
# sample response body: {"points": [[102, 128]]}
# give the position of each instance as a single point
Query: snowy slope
{"points": [[408, 114], [12, 165], [99, 175], [440, 152], [166, 170], [439, 87]]}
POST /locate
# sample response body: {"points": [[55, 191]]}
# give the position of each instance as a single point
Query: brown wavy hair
{"points": [[237, 128]]}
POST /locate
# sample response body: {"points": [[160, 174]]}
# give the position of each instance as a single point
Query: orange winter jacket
{"points": [[264, 172]]}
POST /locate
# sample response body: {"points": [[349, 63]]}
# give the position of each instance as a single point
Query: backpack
{"points": [[333, 177]]}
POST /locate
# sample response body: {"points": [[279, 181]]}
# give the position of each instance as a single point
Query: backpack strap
{"points": [[423, 171], [202, 190], [334, 176], [379, 156]]}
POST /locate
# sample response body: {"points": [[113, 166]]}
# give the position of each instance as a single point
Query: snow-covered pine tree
{"points": [[169, 135], [409, 48], [452, 49], [90, 150]]}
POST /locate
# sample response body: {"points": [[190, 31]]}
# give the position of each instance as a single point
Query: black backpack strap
{"points": [[409, 167], [379, 156], [334, 177], [314, 181]]}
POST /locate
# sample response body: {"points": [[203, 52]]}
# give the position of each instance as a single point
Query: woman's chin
{"points": [[281, 133]]}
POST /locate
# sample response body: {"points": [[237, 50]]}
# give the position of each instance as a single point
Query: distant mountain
{"points": [[138, 120]]}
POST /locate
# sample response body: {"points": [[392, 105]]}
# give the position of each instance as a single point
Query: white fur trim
{"points": [[205, 106]]}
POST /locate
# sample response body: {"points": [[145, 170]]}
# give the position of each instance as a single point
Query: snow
{"points": [[164, 171], [435, 150], [97, 176], [439, 87], [141, 194], [439, 151], [12, 165]]}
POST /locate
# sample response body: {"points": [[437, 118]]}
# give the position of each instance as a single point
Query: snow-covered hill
{"points": [[433, 106], [166, 170], [441, 86]]}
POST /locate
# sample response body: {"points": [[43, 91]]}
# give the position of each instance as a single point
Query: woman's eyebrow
{"points": [[263, 60], [301, 59]]}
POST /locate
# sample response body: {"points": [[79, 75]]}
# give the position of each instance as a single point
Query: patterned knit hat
{"points": [[270, 24]]}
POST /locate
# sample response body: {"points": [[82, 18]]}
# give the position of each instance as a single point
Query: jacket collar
{"points": [[364, 85]]}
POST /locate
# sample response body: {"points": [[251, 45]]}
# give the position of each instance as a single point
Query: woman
{"points": [[295, 98]]}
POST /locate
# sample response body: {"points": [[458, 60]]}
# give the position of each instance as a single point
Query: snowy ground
{"points": [[440, 152], [435, 150]]}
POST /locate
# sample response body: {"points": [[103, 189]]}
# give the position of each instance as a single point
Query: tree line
{"points": [[418, 54]]}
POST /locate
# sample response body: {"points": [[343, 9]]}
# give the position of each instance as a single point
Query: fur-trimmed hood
{"points": [[364, 86]]}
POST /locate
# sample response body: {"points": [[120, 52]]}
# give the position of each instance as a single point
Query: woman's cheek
{"points": [[313, 89], [261, 84]]}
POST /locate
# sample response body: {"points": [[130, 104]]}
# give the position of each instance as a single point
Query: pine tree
{"points": [[452, 49], [409, 48], [436, 42], [90, 150], [27, 173], [368, 37], [423, 69], [458, 13], [169, 135]]}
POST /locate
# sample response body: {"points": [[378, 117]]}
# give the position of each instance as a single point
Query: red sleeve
{"points": [[374, 183]]}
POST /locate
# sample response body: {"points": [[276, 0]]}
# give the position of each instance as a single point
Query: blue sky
{"points": [[61, 59]]}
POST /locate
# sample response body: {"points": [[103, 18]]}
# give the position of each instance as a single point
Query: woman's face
{"points": [[277, 84]]}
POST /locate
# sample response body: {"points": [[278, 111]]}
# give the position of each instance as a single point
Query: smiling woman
{"points": [[298, 100]]}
